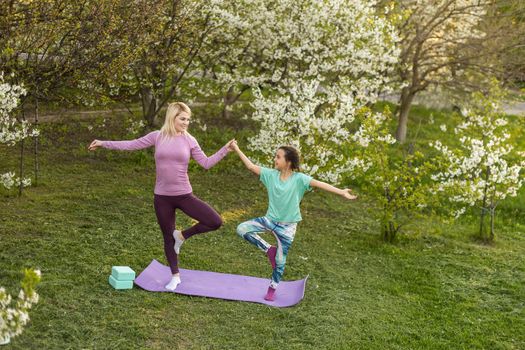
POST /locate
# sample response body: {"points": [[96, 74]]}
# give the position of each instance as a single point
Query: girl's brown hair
{"points": [[291, 154]]}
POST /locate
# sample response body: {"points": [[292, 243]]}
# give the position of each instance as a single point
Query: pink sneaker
{"points": [[271, 253], [270, 294]]}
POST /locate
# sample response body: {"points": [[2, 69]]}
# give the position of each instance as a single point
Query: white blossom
{"points": [[316, 63], [14, 318], [9, 180], [481, 169], [135, 127], [11, 129]]}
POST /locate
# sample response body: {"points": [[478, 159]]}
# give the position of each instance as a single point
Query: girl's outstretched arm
{"points": [[247, 162], [329, 188]]}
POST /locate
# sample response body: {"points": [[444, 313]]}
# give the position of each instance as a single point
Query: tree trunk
{"points": [[21, 185], [228, 100], [389, 231], [484, 208], [389, 225], [149, 105], [405, 102], [492, 214], [482, 223], [37, 165]]}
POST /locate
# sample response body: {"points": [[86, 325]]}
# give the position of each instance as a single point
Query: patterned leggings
{"points": [[284, 232]]}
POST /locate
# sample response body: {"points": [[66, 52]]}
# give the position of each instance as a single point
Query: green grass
{"points": [[435, 288]]}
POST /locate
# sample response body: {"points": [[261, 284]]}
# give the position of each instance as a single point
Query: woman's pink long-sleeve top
{"points": [[172, 155]]}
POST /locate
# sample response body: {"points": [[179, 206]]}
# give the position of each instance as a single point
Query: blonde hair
{"points": [[174, 109]]}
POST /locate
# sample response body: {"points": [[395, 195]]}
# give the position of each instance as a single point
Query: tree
{"points": [[293, 40], [434, 35], [238, 54], [13, 130], [505, 42], [50, 46], [322, 62], [396, 178], [14, 318], [485, 168], [163, 40]]}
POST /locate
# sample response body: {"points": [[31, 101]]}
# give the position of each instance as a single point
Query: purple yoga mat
{"points": [[221, 285]]}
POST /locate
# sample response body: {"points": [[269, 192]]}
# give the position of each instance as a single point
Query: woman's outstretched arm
{"points": [[131, 145], [329, 188], [205, 161], [247, 162]]}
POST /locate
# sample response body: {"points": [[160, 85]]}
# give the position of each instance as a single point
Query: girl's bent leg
{"points": [[165, 211], [250, 229]]}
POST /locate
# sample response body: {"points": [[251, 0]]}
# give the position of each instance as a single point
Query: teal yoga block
{"points": [[123, 273], [118, 284]]}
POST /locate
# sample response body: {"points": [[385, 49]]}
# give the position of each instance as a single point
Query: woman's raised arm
{"points": [[131, 145]]}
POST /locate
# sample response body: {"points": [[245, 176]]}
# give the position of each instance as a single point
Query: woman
{"points": [[174, 147]]}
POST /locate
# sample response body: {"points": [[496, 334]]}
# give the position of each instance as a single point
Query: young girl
{"points": [[174, 147], [286, 187]]}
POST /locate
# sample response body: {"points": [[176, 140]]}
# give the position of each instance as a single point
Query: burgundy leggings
{"points": [[207, 217]]}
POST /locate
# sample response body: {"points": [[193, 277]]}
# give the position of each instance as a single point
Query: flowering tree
{"points": [[337, 43], [12, 130], [398, 180], [316, 63], [240, 51], [13, 319], [434, 35], [160, 45], [484, 169], [54, 46]]}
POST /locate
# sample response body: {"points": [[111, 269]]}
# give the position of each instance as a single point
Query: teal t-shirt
{"points": [[284, 197]]}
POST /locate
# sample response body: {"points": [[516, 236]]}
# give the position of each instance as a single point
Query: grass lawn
{"points": [[435, 288]]}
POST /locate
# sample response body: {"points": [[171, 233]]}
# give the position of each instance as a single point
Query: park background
{"points": [[406, 102]]}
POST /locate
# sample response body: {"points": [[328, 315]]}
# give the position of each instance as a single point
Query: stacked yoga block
{"points": [[121, 277]]}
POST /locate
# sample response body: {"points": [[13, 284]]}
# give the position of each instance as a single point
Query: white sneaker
{"points": [[178, 241], [175, 281]]}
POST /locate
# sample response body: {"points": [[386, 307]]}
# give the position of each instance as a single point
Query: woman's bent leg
{"points": [[208, 219]]}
